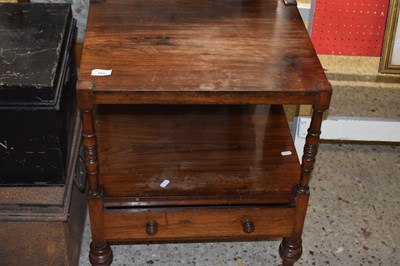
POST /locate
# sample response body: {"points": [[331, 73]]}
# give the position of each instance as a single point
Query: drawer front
{"points": [[198, 223]]}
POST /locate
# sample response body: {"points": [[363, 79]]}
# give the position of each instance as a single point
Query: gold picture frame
{"points": [[390, 58]]}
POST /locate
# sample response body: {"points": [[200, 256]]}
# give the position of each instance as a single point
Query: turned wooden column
{"points": [[290, 249], [100, 251]]}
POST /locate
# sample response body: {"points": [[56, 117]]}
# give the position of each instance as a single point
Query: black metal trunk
{"points": [[37, 93]]}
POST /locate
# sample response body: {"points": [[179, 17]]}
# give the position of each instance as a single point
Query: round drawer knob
{"points": [[248, 226], [152, 228]]}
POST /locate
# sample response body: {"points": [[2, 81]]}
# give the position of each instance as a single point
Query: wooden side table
{"points": [[184, 140]]}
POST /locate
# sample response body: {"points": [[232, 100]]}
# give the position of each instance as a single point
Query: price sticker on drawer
{"points": [[164, 183], [101, 72]]}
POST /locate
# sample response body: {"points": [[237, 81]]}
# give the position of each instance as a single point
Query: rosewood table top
{"points": [[196, 51]]}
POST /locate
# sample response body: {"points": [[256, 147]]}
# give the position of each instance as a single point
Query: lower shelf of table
{"points": [[198, 223], [211, 155]]}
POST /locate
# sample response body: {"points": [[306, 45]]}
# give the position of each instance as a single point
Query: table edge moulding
{"points": [[123, 126]]}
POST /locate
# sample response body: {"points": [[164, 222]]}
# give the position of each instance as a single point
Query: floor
{"points": [[354, 210], [359, 90]]}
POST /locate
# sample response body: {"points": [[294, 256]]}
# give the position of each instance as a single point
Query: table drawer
{"points": [[197, 223]]}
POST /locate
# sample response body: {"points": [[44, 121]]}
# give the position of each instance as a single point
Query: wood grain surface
{"points": [[210, 154], [198, 223], [199, 49]]}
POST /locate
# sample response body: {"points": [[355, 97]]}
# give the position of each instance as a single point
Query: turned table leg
{"points": [[100, 251], [291, 249]]}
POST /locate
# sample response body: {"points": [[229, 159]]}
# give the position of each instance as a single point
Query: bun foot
{"points": [[290, 251], [100, 256]]}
